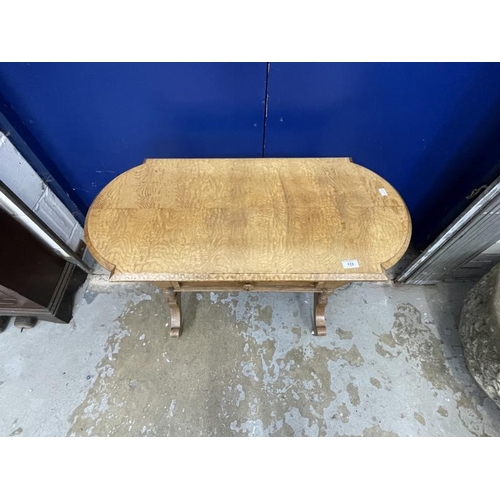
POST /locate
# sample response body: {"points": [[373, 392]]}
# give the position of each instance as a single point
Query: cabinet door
{"points": [[96, 120], [430, 129]]}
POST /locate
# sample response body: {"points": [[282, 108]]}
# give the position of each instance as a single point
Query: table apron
{"points": [[251, 286]]}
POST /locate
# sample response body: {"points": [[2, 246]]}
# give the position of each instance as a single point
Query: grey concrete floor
{"points": [[246, 365]]}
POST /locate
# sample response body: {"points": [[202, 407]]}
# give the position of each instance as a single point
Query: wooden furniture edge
{"points": [[117, 276], [186, 277]]}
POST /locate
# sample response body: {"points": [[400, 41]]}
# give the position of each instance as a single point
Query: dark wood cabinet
{"points": [[34, 280]]}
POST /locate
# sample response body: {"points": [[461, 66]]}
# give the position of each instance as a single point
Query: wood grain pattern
{"points": [[280, 219]]}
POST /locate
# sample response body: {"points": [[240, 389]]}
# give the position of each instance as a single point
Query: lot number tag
{"points": [[350, 264]]}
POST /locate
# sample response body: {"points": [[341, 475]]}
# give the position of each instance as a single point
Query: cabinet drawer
{"points": [[249, 286]]}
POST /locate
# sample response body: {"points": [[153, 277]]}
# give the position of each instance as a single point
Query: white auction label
{"points": [[383, 192], [350, 264]]}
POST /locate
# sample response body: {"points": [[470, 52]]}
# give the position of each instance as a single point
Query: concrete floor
{"points": [[246, 365]]}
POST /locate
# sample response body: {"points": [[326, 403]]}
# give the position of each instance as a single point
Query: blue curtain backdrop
{"points": [[96, 120], [429, 129]]}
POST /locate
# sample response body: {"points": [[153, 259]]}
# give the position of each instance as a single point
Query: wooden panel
{"points": [[29, 267], [283, 219], [10, 300], [256, 286], [248, 286]]}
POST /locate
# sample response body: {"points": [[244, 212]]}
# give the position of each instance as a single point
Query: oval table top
{"points": [[268, 219]]}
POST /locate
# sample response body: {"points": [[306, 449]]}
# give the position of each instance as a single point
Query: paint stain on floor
{"points": [[423, 351], [248, 365], [219, 381]]}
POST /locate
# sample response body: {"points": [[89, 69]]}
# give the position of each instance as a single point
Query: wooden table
{"points": [[272, 224]]}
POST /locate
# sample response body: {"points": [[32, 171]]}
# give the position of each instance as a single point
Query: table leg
{"points": [[174, 301], [172, 289], [320, 302]]}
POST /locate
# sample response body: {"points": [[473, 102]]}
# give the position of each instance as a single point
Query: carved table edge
{"points": [[162, 277]]}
